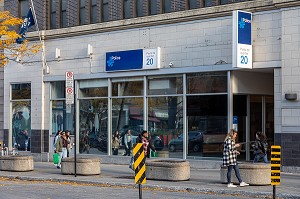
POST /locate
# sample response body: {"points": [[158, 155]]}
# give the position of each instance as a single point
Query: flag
{"points": [[28, 22]]}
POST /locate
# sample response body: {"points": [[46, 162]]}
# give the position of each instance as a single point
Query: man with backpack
{"points": [[260, 148]]}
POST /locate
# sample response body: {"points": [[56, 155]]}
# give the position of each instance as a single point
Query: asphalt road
{"points": [[20, 189]]}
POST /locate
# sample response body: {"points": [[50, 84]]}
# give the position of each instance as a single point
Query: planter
{"points": [[172, 170], [16, 163], [84, 166], [253, 174]]}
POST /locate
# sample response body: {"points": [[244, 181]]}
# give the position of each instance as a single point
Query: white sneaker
{"points": [[242, 184], [231, 185]]}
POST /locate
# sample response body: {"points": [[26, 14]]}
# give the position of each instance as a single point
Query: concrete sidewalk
{"points": [[202, 180]]}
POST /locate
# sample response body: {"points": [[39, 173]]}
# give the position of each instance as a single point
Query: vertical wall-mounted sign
{"points": [[69, 88], [241, 39], [139, 59]]}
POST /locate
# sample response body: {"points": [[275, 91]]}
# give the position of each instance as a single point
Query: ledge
{"points": [[84, 166]]}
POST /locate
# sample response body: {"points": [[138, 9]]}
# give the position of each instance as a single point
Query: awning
{"points": [[152, 119]]}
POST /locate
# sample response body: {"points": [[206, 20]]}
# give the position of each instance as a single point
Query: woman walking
{"points": [[260, 148], [230, 158]]}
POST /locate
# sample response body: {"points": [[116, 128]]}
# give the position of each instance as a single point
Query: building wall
{"points": [[201, 42], [1, 92]]}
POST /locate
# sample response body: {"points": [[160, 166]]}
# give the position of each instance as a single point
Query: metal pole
{"points": [[140, 191], [274, 191], [75, 132]]}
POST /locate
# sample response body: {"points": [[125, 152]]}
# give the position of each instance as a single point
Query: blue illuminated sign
{"points": [[124, 60], [244, 28]]}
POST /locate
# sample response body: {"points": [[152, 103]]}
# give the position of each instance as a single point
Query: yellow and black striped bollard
{"points": [[275, 167], [139, 166]]}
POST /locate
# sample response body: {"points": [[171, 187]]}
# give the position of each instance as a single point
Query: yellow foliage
{"points": [[8, 40]]}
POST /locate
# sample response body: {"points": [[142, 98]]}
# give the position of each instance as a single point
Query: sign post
{"points": [[139, 166], [275, 167], [69, 101]]}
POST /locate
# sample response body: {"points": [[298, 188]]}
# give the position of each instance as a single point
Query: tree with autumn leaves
{"points": [[9, 49]]}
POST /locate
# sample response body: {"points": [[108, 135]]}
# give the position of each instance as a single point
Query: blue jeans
{"points": [[258, 157], [237, 173]]}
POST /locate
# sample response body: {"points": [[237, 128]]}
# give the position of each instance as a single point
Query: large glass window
{"points": [[194, 4], [93, 88], [207, 117], [165, 123], [23, 8], [127, 88], [127, 114], [165, 85], [83, 12], [127, 9], [139, 8], [63, 13], [53, 14], [210, 82], [62, 114], [21, 116], [93, 120], [94, 13], [208, 3], [105, 12], [168, 6], [154, 7]]}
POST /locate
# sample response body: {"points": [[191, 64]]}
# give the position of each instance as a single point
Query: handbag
{"points": [[56, 158]]}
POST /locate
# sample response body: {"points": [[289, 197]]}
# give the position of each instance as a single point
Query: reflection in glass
{"points": [[210, 82], [165, 86], [21, 91], [165, 124], [127, 114], [207, 119], [93, 126], [62, 118], [131, 88], [21, 125]]}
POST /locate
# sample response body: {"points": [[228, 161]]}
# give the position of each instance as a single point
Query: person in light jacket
{"points": [[230, 158]]}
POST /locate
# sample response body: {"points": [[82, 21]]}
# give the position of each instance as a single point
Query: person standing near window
{"points": [[128, 143], [144, 139], [230, 158], [116, 143], [260, 148]]}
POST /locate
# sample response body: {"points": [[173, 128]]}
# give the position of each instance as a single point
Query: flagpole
{"points": [[42, 42]]}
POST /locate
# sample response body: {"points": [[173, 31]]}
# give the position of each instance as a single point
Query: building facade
{"points": [[190, 98]]}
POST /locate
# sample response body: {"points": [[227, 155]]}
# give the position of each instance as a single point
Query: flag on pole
{"points": [[28, 22]]}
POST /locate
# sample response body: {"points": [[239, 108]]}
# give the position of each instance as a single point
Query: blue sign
{"points": [[235, 120], [124, 60], [244, 27]]}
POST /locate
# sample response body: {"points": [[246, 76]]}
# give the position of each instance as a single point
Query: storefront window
{"points": [[93, 88], [165, 85], [93, 120], [165, 118], [209, 82], [62, 115], [21, 116], [127, 114], [127, 88], [207, 124]]}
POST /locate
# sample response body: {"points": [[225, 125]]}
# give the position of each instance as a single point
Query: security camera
{"points": [[171, 64]]}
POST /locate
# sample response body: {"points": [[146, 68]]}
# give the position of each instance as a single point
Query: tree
{"points": [[9, 49]]}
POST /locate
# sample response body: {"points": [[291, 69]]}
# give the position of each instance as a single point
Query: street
{"points": [[22, 189]]}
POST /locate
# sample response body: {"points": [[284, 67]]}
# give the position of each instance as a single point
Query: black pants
{"points": [[128, 149], [115, 151]]}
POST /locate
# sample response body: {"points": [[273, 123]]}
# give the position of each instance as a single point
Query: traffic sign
{"points": [[275, 164], [139, 164], [69, 87], [69, 79]]}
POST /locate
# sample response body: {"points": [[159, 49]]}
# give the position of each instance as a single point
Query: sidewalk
{"points": [[202, 180]]}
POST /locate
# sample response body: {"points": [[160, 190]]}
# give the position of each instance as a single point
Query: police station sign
{"points": [[241, 39], [139, 59]]}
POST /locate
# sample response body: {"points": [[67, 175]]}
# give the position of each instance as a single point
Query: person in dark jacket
{"points": [[144, 139], [260, 147]]}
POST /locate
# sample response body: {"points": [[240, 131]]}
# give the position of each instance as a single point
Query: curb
{"points": [[165, 188]]}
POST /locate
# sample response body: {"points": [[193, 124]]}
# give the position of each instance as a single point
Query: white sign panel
{"points": [[151, 58], [242, 39], [69, 88]]}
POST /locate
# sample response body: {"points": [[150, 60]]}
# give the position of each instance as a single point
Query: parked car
{"points": [[195, 141]]}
